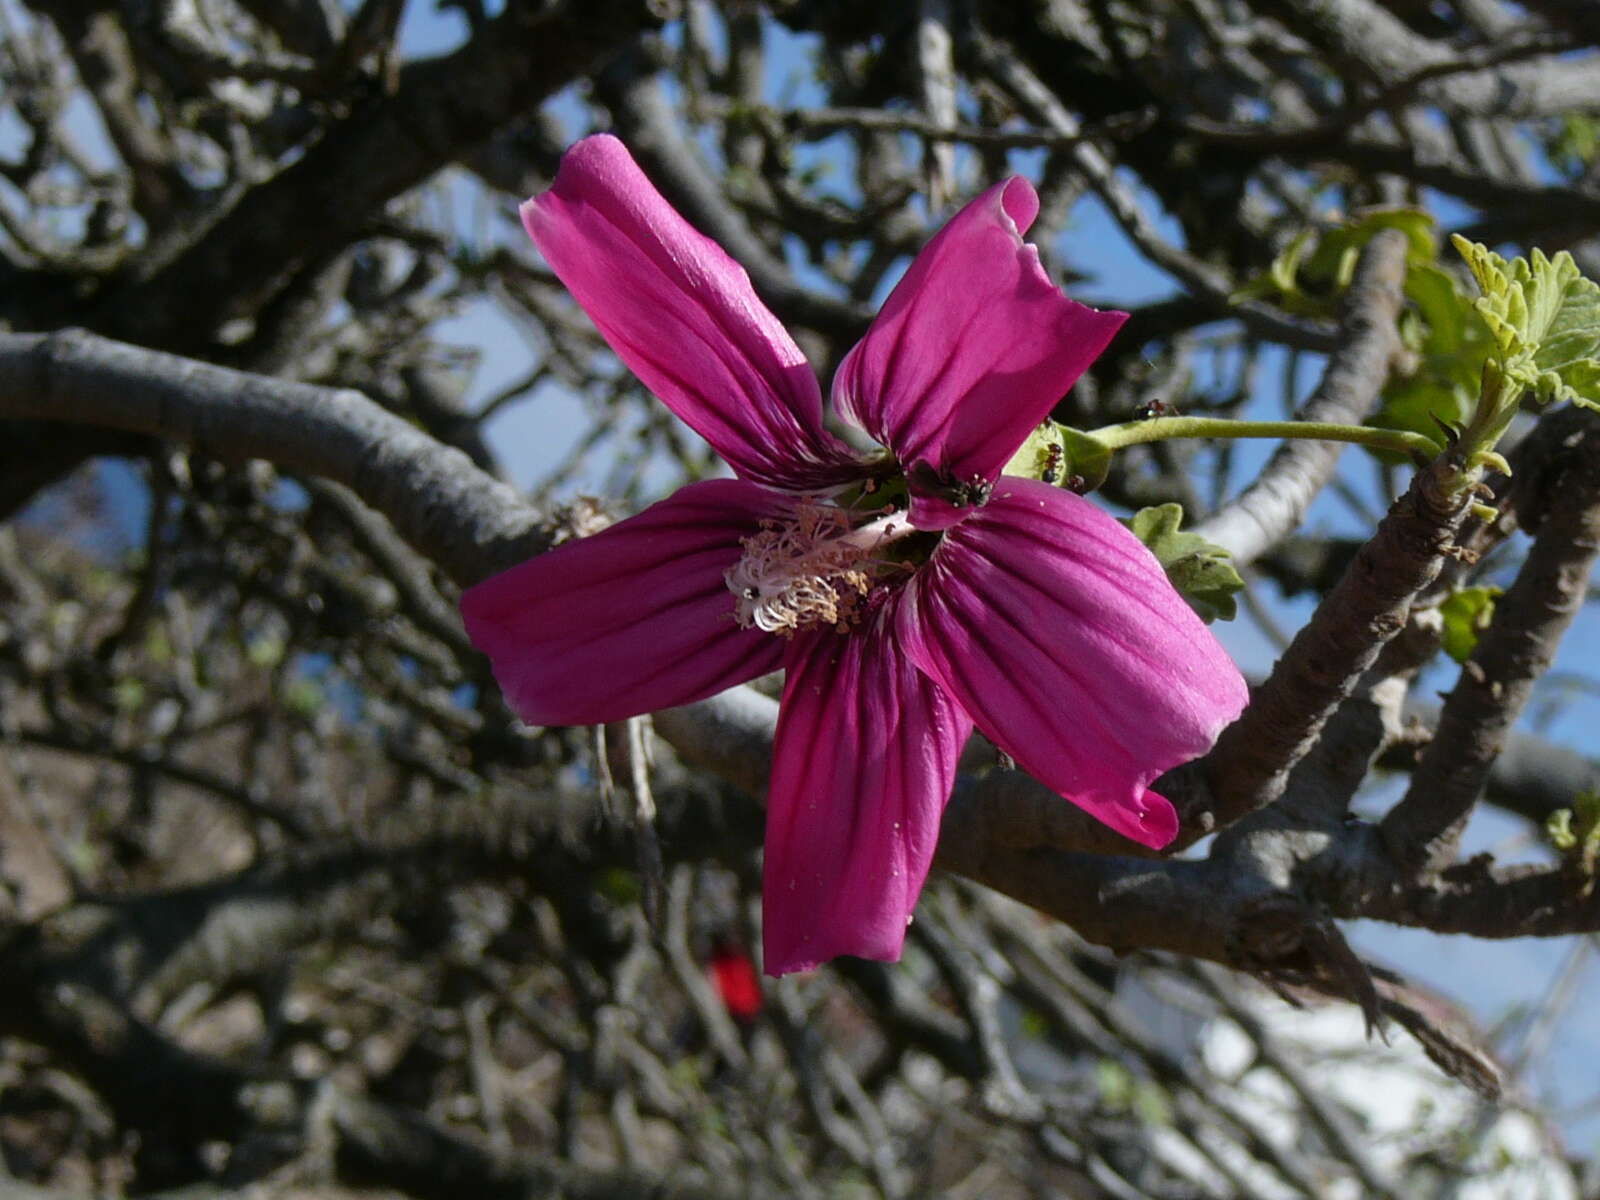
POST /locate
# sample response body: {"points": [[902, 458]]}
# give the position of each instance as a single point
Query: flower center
{"points": [[812, 572]]}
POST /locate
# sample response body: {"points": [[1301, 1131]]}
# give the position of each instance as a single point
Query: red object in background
{"points": [[734, 974]]}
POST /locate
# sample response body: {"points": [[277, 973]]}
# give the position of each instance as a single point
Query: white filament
{"points": [[812, 572]]}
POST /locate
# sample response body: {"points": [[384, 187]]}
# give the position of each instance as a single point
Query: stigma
{"points": [[813, 571]]}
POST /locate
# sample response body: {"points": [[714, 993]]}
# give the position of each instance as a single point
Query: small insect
{"points": [[1052, 463], [972, 493], [1156, 408], [1077, 483], [962, 493]]}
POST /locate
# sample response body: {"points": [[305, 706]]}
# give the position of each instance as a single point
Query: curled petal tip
{"points": [[974, 346], [1058, 632], [1154, 822], [1020, 202]]}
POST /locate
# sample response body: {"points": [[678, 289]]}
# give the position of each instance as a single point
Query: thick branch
{"points": [[460, 518], [1422, 830], [1273, 506], [1517, 901], [1200, 278], [1371, 41], [442, 109], [473, 525], [1532, 777], [1252, 760]]}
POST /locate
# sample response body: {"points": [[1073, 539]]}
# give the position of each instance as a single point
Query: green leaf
{"points": [[1576, 142], [1281, 280], [265, 651], [1466, 614], [157, 645], [1115, 1083], [1308, 275], [1449, 342], [1336, 253], [619, 886], [1453, 339], [128, 693], [303, 697], [1575, 832], [1583, 377], [1150, 1104], [1417, 405], [1558, 828], [1545, 318], [1034, 1024], [1287, 265], [1202, 572]]}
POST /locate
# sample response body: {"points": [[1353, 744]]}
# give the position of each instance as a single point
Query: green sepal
{"points": [[1202, 572], [1088, 459], [1466, 613], [1063, 456], [1042, 456]]}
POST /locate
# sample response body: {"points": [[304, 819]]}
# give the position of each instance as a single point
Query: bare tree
{"points": [[290, 901]]}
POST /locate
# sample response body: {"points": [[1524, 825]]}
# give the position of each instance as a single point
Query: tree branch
{"points": [[442, 109], [648, 123], [1250, 765], [1372, 42], [1200, 278], [1272, 507], [460, 518], [1422, 830]]}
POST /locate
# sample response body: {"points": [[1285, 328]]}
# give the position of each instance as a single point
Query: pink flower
{"points": [[978, 599]]}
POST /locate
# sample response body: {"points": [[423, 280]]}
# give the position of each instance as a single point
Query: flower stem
{"points": [[1157, 429]]}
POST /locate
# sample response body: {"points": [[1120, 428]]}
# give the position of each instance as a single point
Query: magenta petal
{"points": [[1058, 632], [633, 619], [973, 348], [865, 758], [683, 316]]}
